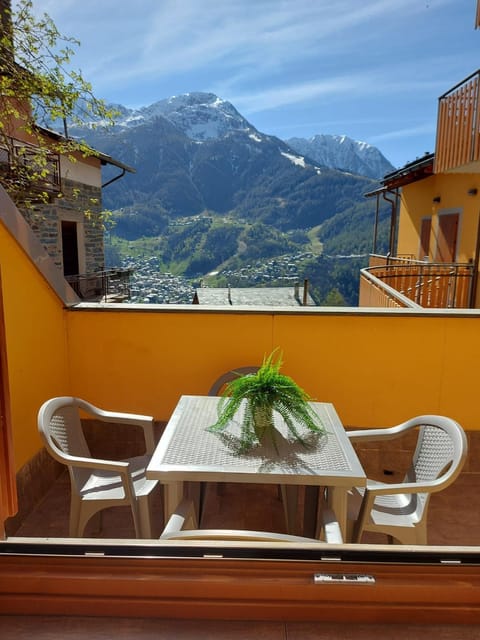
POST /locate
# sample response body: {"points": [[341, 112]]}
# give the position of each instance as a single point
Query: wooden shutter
{"points": [[447, 237]]}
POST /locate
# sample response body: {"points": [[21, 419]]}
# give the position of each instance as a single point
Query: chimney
{"points": [[305, 292], [229, 295], [297, 292]]}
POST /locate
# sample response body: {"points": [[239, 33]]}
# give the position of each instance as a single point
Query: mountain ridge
{"points": [[204, 116], [196, 156], [342, 152]]}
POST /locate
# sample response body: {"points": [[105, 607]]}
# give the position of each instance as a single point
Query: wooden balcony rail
{"points": [[434, 286], [458, 125], [18, 156], [112, 285]]}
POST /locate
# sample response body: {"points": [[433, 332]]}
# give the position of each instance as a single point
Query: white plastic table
{"points": [[188, 452]]}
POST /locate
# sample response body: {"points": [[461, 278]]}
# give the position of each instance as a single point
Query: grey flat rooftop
{"points": [[254, 296]]}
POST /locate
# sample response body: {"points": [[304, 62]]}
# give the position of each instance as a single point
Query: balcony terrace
{"points": [[372, 364], [112, 285], [409, 283]]}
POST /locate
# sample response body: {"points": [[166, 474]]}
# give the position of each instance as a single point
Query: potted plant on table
{"points": [[262, 394]]}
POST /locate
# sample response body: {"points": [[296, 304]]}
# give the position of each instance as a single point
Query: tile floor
{"points": [[453, 517]]}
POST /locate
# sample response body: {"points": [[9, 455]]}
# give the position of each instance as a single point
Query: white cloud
{"points": [[366, 65], [161, 38]]}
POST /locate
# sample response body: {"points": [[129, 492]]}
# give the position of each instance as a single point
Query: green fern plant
{"points": [[262, 393]]}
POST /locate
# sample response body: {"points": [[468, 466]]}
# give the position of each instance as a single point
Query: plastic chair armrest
{"points": [[405, 487], [383, 433], [95, 463], [133, 419], [122, 468]]}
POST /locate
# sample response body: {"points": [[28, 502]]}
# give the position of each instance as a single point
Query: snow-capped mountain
{"points": [[196, 153], [204, 116], [341, 152], [200, 116]]}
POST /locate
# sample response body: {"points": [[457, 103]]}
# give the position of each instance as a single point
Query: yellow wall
{"points": [[36, 347], [417, 203], [377, 367]]}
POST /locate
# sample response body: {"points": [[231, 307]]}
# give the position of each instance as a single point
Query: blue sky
{"points": [[369, 69]]}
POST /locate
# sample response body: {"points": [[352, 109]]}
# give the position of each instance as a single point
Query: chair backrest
{"points": [[440, 452], [61, 431], [439, 455], [227, 377]]}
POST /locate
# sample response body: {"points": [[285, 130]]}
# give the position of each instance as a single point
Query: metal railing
{"points": [[417, 284], [376, 293], [377, 260], [112, 285]]}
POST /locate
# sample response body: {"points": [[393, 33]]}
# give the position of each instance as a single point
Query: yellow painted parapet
{"points": [[378, 367]]}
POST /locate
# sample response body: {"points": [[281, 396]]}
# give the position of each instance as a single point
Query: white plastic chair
{"points": [[97, 484], [227, 377], [400, 510], [215, 390], [182, 525]]}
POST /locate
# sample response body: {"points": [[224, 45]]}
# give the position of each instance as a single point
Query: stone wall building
{"points": [[67, 216]]}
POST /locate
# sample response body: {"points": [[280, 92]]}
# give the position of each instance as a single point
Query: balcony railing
{"points": [[112, 285], [410, 283], [458, 126], [20, 158]]}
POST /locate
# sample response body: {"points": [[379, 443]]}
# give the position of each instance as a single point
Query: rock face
{"points": [[341, 152], [200, 116]]}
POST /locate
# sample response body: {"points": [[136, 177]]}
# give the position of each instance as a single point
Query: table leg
{"points": [[337, 500], [310, 511], [173, 495], [193, 490], [290, 502]]}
